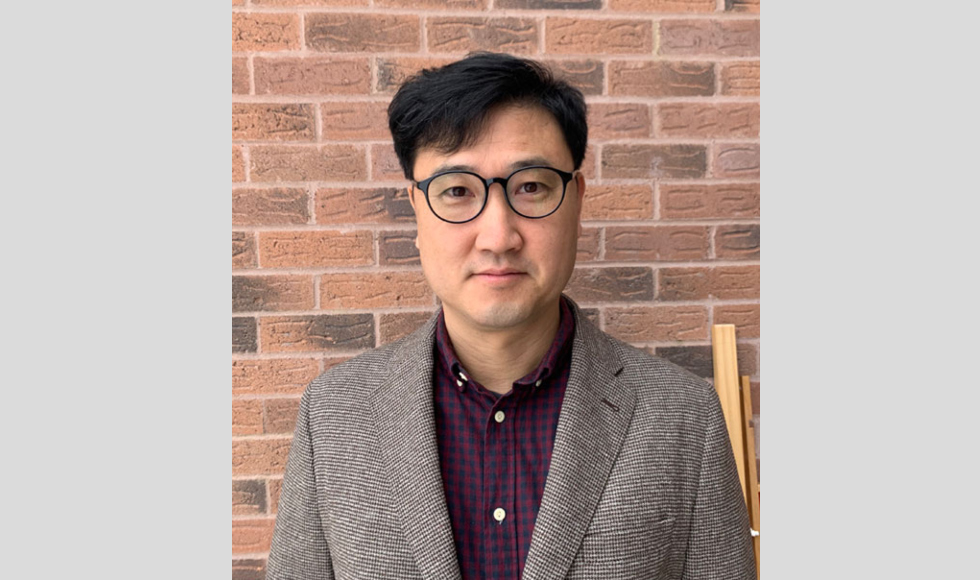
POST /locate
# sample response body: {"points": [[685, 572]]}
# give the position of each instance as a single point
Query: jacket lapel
{"points": [[595, 415], [405, 421]]}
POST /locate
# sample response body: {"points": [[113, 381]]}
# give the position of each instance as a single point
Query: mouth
{"points": [[499, 274]]}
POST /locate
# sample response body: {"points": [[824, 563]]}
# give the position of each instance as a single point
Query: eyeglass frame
{"points": [[566, 177]]}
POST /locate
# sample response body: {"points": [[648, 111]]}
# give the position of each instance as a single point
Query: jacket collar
{"points": [[594, 417]]}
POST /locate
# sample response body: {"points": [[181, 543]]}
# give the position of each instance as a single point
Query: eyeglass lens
{"points": [[532, 192]]}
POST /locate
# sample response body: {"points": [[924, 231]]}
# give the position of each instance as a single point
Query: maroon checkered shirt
{"points": [[494, 451]]}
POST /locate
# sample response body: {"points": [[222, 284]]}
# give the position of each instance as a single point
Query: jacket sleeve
{"points": [[299, 547], [720, 544]]}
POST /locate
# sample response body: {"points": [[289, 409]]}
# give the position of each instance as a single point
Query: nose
{"points": [[497, 225]]}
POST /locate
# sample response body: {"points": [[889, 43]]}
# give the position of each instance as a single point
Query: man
{"points": [[508, 437]]}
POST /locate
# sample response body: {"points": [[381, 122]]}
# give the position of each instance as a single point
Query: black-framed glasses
{"points": [[460, 196]]}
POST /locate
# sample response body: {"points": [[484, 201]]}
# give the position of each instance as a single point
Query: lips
{"points": [[499, 272], [499, 277]]}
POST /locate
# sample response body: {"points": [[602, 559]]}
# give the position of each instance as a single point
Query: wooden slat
{"points": [[752, 473], [726, 384]]}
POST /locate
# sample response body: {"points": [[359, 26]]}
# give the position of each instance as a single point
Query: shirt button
{"points": [[537, 384], [499, 514], [498, 416]]}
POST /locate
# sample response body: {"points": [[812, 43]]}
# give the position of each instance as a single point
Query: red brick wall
{"points": [[322, 257]]}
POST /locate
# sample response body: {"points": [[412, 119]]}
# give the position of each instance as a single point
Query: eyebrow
{"points": [[530, 161]]}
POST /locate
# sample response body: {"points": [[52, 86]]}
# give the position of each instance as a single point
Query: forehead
{"points": [[512, 136]]}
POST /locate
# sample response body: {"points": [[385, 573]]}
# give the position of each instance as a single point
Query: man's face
{"points": [[501, 270]]}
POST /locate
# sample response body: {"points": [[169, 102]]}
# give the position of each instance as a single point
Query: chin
{"points": [[502, 315]]}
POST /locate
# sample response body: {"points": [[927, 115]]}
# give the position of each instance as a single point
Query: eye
{"points": [[531, 187], [456, 192]]}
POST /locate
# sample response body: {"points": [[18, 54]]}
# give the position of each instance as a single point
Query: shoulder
{"points": [[658, 383], [358, 377]]}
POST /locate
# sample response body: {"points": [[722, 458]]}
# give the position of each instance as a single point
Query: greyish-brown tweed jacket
{"points": [[642, 482]]}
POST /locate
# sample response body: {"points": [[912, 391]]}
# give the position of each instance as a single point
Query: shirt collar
{"points": [[550, 362]]}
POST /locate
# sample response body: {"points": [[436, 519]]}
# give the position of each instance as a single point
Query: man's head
{"points": [[497, 255], [445, 108]]}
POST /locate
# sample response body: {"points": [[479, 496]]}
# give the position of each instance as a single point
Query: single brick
{"points": [[247, 495], [611, 284], [588, 245], [657, 243], [312, 76], [358, 206], [264, 31], [663, 5], [351, 121], [243, 250], [587, 76], [398, 249], [248, 569], [699, 360], [330, 32], [287, 376], [269, 206], [708, 120], [740, 242], [237, 164], [549, 4], [742, 6], [272, 122], [724, 200], [384, 163], [275, 490], [243, 334], [586, 36], [654, 161], [251, 536], [246, 417], [657, 323], [709, 37], [280, 415], [323, 332], [273, 163], [619, 120], [725, 282], [240, 83], [400, 324], [252, 456], [433, 4], [740, 79], [393, 71], [618, 202], [733, 160], [745, 317], [312, 249], [460, 34], [374, 290], [269, 293], [661, 79]]}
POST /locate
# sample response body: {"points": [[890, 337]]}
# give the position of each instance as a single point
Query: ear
{"points": [[411, 196], [411, 200], [580, 193]]}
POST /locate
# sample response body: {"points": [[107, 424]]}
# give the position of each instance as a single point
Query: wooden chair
{"points": [[735, 394]]}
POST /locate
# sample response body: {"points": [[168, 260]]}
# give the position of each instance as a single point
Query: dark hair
{"points": [[446, 108]]}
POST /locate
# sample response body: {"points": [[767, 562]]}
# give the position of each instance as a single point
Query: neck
{"points": [[496, 358]]}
